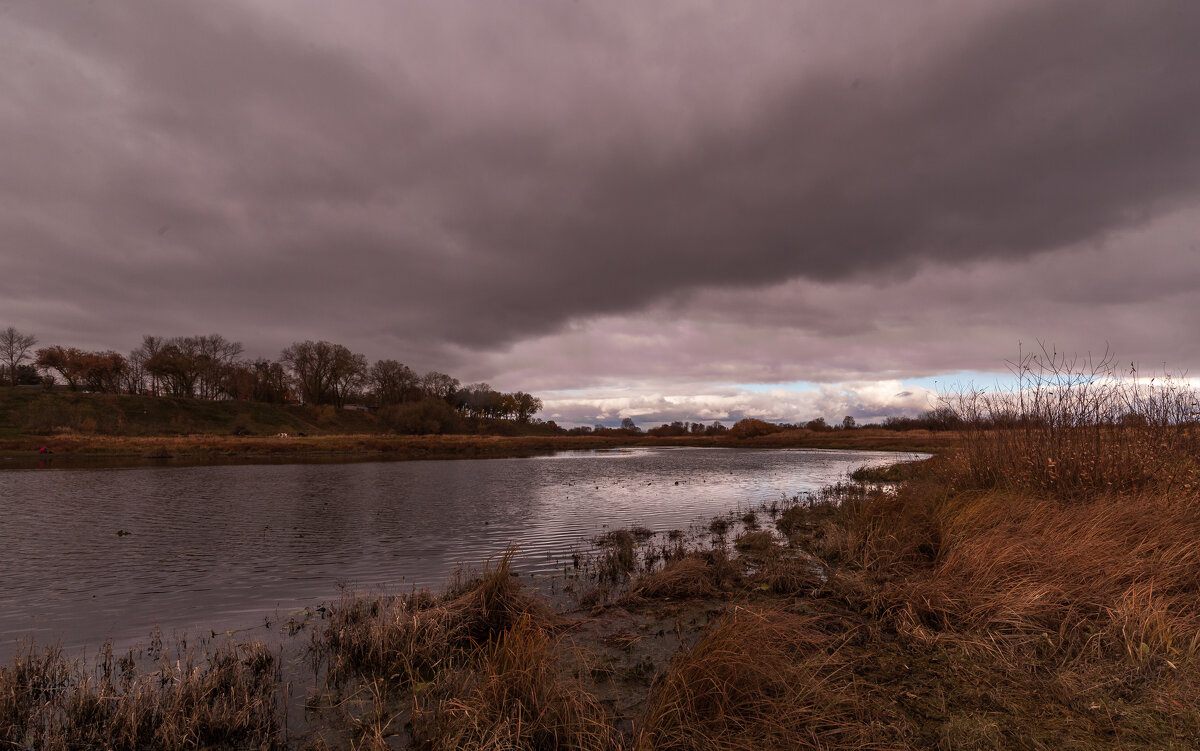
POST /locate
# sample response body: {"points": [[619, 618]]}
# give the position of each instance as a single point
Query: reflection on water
{"points": [[224, 547]]}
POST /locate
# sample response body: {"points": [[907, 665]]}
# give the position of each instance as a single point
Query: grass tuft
{"points": [[516, 695], [756, 679]]}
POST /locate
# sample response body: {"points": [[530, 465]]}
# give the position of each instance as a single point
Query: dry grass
{"points": [[793, 572], [406, 640], [481, 667], [898, 472], [341, 445], [515, 695], [619, 558], [758, 545], [865, 439], [696, 575], [1076, 428], [997, 620], [1071, 514], [351, 445], [1109, 576], [757, 679], [225, 698]]}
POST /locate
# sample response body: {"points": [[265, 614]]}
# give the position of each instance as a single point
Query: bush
{"points": [[750, 428], [421, 418]]}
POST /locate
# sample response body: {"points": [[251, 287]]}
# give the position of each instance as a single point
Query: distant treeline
{"points": [[324, 373], [307, 372], [942, 418]]}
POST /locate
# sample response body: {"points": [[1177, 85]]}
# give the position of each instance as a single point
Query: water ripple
{"points": [[112, 553]]}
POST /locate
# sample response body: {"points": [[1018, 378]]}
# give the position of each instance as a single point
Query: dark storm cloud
{"points": [[448, 178], [1134, 295], [1045, 127]]}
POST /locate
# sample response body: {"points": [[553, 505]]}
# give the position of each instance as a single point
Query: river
{"points": [[93, 554]]}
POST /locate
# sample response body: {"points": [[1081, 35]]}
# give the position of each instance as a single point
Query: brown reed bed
{"points": [[697, 574], [1082, 616], [1078, 427], [758, 679], [480, 667], [409, 639], [515, 693], [1053, 555], [223, 697], [758, 544]]}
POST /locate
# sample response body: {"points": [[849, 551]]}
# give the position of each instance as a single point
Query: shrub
{"points": [[421, 418], [750, 428]]}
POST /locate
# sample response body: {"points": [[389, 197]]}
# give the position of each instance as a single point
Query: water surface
{"points": [[94, 554]]}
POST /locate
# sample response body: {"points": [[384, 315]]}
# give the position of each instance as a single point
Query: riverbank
{"points": [[962, 608], [66, 448], [92, 428]]}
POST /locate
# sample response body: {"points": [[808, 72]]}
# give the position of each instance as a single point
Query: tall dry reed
{"points": [[225, 697], [1078, 426]]}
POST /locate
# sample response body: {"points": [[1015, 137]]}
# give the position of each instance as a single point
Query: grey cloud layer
{"points": [[1136, 295], [446, 178]]}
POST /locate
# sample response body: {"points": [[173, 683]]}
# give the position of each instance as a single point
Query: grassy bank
{"points": [[31, 412], [122, 426], [436, 447]]}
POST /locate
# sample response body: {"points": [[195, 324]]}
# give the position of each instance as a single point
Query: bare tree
{"points": [[393, 382], [15, 349], [349, 373], [217, 356], [140, 357], [324, 372], [178, 365], [439, 385]]}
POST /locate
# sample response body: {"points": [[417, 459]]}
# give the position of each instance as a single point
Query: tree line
{"points": [[212, 367]]}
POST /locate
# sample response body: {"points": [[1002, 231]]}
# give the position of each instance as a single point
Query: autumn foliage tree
{"points": [[101, 372], [525, 406], [751, 428]]}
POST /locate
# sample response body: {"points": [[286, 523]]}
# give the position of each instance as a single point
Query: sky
{"points": [[669, 210]]}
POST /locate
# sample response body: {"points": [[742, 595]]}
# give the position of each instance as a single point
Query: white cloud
{"points": [[864, 400]]}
